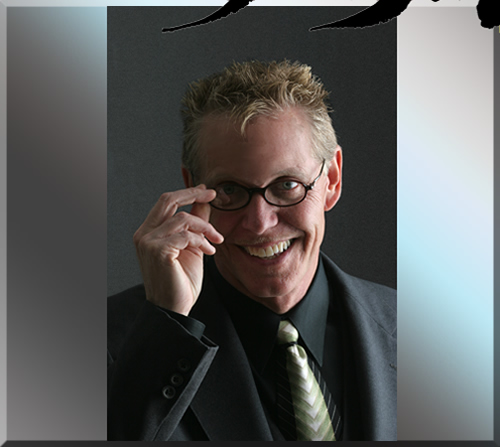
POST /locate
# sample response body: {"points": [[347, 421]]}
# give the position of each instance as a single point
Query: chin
{"points": [[267, 289], [287, 276], [267, 285]]}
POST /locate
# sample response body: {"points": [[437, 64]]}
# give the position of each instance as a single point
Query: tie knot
{"points": [[287, 333]]}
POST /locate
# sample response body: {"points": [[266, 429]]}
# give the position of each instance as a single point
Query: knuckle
{"points": [[167, 200], [182, 221], [184, 234], [182, 215], [166, 197], [142, 244], [137, 237]]}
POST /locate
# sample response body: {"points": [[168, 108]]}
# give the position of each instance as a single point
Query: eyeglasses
{"points": [[232, 196]]}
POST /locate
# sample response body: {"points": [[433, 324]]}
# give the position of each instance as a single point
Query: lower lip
{"points": [[272, 261]]}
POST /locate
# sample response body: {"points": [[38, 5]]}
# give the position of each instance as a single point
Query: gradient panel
{"points": [[3, 224], [496, 114], [56, 184], [445, 226]]}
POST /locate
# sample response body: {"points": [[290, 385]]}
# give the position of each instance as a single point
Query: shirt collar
{"points": [[310, 314], [257, 326]]}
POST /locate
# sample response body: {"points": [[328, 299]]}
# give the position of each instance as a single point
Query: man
{"points": [[220, 347]]}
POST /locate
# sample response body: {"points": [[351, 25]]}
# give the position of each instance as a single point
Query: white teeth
{"points": [[267, 252]]}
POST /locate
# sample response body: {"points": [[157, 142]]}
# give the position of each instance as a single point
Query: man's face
{"points": [[273, 149]]}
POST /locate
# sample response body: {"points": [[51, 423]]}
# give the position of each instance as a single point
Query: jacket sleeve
{"points": [[154, 375]]}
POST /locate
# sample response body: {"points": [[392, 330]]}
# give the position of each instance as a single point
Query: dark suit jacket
{"points": [[166, 384]]}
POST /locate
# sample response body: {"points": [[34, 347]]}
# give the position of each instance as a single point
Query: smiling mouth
{"points": [[270, 252]]}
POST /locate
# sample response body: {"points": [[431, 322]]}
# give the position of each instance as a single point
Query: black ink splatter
{"points": [[231, 7], [386, 10], [381, 12], [487, 12]]}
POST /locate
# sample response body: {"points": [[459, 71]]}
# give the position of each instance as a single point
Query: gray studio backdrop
{"points": [[148, 73]]}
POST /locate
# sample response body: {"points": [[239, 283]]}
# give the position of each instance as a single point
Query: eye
{"points": [[288, 185], [228, 189], [229, 196]]}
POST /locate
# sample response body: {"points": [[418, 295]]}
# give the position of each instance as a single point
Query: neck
{"points": [[279, 304]]}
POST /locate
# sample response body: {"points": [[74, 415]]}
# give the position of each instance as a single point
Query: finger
{"points": [[187, 239], [177, 199], [185, 221], [168, 204]]}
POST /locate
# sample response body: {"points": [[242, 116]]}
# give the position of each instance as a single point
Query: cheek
{"points": [[316, 199], [310, 219], [310, 213]]}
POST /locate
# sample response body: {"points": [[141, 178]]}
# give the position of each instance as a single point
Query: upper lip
{"points": [[264, 244]]}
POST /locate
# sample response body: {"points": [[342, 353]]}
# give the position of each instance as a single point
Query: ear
{"points": [[334, 176], [187, 177]]}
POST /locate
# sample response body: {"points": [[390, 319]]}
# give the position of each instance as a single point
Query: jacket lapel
{"points": [[227, 403], [370, 338]]}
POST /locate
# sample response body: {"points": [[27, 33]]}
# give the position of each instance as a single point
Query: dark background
{"points": [[148, 72]]}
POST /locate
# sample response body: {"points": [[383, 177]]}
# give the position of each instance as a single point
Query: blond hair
{"points": [[246, 90]]}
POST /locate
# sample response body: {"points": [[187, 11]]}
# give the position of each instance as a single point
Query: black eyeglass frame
{"points": [[262, 192]]}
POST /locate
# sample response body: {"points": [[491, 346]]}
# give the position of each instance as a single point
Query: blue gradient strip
{"points": [[445, 227]]}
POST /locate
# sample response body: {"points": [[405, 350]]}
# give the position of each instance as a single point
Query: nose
{"points": [[259, 216]]}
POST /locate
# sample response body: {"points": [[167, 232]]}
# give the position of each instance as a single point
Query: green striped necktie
{"points": [[310, 412]]}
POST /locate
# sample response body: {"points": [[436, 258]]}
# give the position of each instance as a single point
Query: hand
{"points": [[170, 248]]}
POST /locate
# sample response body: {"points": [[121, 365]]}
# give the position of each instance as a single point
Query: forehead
{"points": [[271, 146]]}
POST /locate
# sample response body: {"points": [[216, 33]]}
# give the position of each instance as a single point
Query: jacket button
{"points": [[176, 379], [184, 365], [168, 392]]}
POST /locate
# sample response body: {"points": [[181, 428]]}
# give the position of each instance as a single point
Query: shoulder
{"points": [[377, 301], [126, 304]]}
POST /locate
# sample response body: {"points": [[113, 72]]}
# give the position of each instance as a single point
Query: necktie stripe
{"points": [[336, 428], [332, 408]]}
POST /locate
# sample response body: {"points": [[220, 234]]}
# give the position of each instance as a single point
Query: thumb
{"points": [[201, 210]]}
